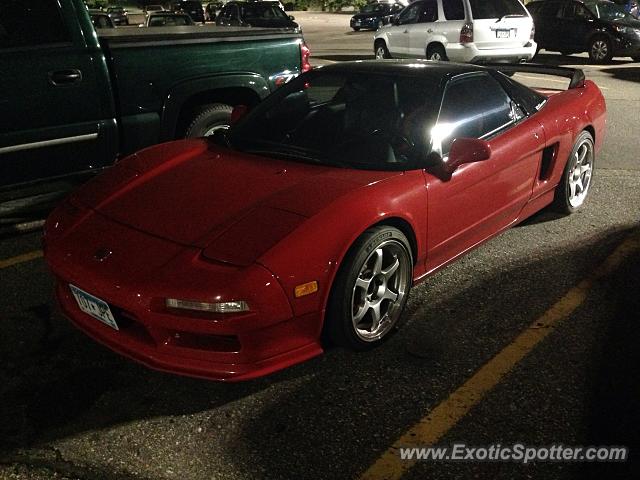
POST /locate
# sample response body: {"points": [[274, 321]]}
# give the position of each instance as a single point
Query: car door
{"points": [[57, 114], [548, 24], [421, 32], [481, 198], [577, 24], [398, 34]]}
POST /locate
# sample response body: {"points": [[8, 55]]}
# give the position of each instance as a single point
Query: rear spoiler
{"points": [[575, 75]]}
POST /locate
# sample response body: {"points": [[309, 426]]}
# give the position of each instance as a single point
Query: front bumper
{"points": [[469, 53], [136, 279]]}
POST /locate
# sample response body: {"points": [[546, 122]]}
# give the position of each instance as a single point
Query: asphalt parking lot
{"points": [[531, 339]]}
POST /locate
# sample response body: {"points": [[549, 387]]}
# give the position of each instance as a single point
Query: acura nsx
{"points": [[311, 217]]}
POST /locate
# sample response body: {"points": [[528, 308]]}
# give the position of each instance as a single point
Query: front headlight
{"points": [[218, 307]]}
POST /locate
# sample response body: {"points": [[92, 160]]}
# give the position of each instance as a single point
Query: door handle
{"points": [[429, 30], [406, 31], [65, 77]]}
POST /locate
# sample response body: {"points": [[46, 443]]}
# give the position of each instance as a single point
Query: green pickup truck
{"points": [[72, 101]]}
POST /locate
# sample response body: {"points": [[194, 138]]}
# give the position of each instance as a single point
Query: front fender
{"points": [[316, 249]]}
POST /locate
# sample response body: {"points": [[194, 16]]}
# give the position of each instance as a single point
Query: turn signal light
{"points": [[306, 289], [305, 53]]}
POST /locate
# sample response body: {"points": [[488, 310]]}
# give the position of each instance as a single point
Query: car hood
{"points": [[192, 193], [626, 23]]}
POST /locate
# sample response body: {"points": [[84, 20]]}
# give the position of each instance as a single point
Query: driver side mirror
{"points": [[291, 17], [466, 150], [237, 113]]}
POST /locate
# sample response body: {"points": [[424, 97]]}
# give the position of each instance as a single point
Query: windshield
{"points": [[482, 9], [371, 8], [609, 11], [357, 120], [263, 11]]}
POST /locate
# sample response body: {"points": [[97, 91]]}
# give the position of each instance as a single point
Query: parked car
{"points": [[601, 28], [630, 6], [374, 15], [472, 31], [211, 10], [153, 8], [232, 257], [100, 19], [118, 15], [168, 19], [193, 9], [255, 14], [74, 100]]}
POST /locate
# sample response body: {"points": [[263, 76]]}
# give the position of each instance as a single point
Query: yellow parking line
{"points": [[25, 257], [443, 417]]}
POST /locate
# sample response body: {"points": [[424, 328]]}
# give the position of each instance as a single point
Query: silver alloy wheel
{"points": [[599, 50], [212, 130], [435, 56], [579, 177], [379, 291], [380, 52]]}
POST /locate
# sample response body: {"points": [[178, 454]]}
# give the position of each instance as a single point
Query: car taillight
{"points": [[533, 31], [304, 57], [466, 34]]}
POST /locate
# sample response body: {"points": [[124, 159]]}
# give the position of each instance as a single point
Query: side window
{"points": [[550, 9], [428, 12], [26, 23], [409, 14], [453, 9], [474, 106]]}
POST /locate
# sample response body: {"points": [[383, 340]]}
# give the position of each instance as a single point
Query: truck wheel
{"points": [[211, 118]]}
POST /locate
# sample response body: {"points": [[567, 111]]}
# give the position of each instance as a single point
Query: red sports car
{"points": [[236, 255]]}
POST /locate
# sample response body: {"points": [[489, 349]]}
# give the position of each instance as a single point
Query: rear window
{"points": [[481, 9], [453, 9]]}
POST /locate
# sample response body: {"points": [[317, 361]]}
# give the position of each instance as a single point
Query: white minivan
{"points": [[473, 31]]}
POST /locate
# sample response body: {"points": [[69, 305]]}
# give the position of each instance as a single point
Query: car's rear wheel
{"points": [[210, 118], [436, 52], [600, 49], [381, 50], [574, 186], [371, 289]]}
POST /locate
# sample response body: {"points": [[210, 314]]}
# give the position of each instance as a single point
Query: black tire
{"points": [[356, 29], [562, 198], [600, 49], [381, 51], [436, 52], [216, 115], [360, 262]]}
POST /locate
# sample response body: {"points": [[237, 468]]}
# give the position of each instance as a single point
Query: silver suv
{"points": [[473, 31]]}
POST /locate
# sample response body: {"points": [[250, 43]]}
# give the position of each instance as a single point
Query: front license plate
{"points": [[93, 306], [503, 33], [357, 23]]}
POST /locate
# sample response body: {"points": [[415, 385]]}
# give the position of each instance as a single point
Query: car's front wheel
{"points": [[381, 50], [371, 289], [600, 49], [574, 186]]}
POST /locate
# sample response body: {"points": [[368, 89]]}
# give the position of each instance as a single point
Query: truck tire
{"points": [[209, 119]]}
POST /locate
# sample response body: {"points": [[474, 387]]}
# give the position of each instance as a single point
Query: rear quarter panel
{"points": [[563, 117]]}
